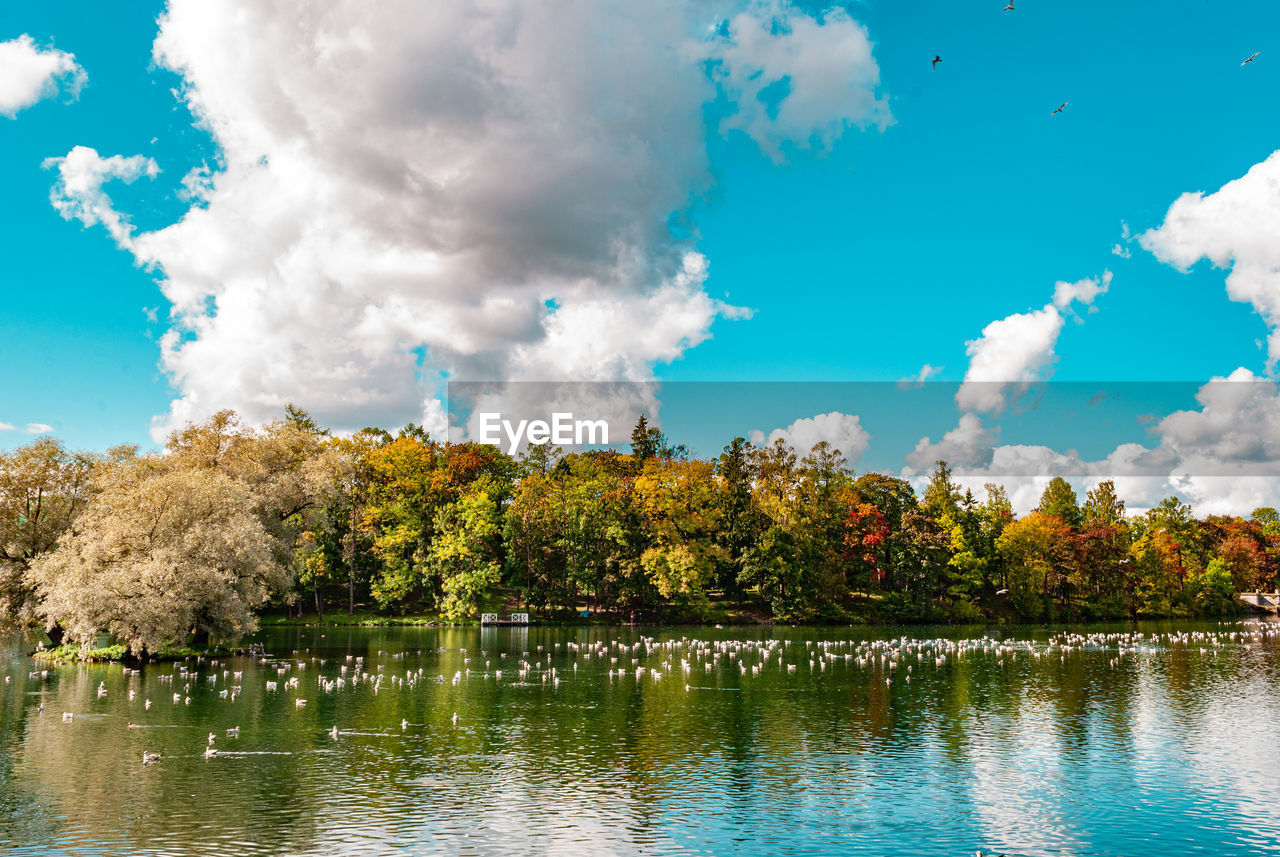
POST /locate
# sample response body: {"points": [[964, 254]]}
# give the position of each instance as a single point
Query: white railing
{"points": [[494, 619]]}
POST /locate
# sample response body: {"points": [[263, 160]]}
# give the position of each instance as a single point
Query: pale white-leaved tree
{"points": [[162, 553]]}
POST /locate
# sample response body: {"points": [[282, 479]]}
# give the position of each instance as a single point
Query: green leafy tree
{"points": [[678, 502], [1103, 505], [1214, 589], [942, 495], [465, 552], [1038, 555], [740, 520], [1059, 500]]}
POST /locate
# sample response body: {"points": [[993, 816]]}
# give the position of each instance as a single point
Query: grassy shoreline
{"points": [[71, 653]]}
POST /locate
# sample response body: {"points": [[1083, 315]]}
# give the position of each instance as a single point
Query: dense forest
{"points": [[229, 521]]}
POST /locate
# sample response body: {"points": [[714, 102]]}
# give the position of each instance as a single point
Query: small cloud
{"points": [[796, 80], [926, 372], [78, 193], [843, 432], [29, 428], [968, 445], [1147, 419], [151, 313], [30, 73], [1126, 236], [1083, 291]]}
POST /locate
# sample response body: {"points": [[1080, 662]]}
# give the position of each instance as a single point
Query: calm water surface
{"points": [[773, 741]]}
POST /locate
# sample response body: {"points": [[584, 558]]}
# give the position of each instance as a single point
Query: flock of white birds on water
{"points": [[683, 660]]}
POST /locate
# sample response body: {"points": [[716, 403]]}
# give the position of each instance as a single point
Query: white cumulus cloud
{"points": [[824, 68], [1222, 457], [842, 431], [78, 193], [926, 372], [1234, 227], [1018, 350], [30, 73], [29, 428], [407, 192], [968, 445]]}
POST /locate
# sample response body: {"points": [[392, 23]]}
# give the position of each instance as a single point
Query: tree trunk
{"points": [[351, 562], [56, 634]]}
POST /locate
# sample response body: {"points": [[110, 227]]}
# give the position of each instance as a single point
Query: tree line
{"points": [[193, 542]]}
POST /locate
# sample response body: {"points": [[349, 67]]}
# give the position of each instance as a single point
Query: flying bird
{"points": [[1250, 59], [1060, 108], [1009, 8], [936, 59]]}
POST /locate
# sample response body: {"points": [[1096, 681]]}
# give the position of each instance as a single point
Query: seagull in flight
{"points": [[936, 59], [1009, 8], [1060, 108], [1250, 59]]}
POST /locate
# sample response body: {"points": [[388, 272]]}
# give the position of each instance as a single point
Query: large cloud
{"points": [[30, 73], [1235, 227], [411, 191]]}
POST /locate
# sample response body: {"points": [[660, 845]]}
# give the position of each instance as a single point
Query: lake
{"points": [[1116, 740]]}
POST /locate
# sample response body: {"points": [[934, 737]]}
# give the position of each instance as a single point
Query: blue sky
{"points": [[907, 243], [888, 249]]}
